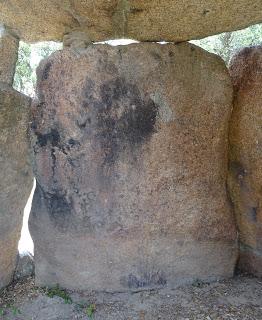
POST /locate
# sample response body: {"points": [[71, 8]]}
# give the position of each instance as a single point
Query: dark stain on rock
{"points": [[37, 115], [72, 142], [37, 200], [55, 204], [156, 279], [238, 171], [205, 12], [83, 121], [88, 93], [59, 210], [46, 71], [253, 214], [136, 10], [53, 157], [155, 55], [229, 197], [52, 138], [120, 118]]}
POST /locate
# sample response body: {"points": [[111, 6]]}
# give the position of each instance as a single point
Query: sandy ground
{"points": [[239, 298]]}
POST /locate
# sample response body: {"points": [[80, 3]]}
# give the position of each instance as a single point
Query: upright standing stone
{"points": [[245, 178], [15, 175], [130, 150], [9, 45]]}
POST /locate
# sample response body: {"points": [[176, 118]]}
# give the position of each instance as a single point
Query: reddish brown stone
{"points": [[245, 178], [130, 151]]}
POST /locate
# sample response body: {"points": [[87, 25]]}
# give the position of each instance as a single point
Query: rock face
{"points": [[25, 266], [9, 45], [15, 175], [154, 20], [130, 151], [246, 155]]}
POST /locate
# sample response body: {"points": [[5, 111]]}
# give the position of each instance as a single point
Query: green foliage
{"points": [[90, 310], [226, 44], [15, 311], [58, 292], [29, 56], [2, 311], [24, 80]]}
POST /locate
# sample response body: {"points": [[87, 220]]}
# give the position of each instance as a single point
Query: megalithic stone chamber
{"points": [[130, 156]]}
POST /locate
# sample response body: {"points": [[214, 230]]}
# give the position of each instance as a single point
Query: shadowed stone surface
{"points": [[130, 152], [25, 267], [246, 155], [154, 20], [9, 45], [15, 175]]}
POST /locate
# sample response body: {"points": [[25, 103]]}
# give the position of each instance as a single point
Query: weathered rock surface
{"points": [[130, 150], [9, 45], [15, 175], [25, 266], [154, 20], [246, 155]]}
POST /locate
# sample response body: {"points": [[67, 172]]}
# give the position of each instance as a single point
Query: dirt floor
{"points": [[239, 298]]}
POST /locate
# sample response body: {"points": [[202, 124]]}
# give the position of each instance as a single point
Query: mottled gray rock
{"points": [[130, 157], [245, 177], [15, 175], [25, 266]]}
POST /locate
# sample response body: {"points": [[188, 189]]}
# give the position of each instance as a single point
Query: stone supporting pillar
{"points": [[15, 172], [130, 155], [9, 45], [245, 178], [15, 175]]}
